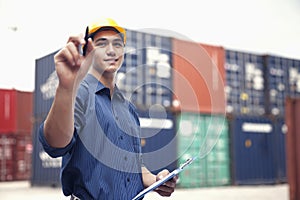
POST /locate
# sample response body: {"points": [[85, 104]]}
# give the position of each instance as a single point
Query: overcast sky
{"points": [[33, 28]]}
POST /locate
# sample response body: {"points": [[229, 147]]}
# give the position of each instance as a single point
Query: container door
{"points": [[252, 151]]}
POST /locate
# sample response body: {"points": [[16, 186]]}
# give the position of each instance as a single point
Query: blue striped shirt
{"points": [[103, 159]]}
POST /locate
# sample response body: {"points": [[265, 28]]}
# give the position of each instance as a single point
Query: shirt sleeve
{"points": [[52, 151]]}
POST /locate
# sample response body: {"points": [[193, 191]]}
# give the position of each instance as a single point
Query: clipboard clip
{"points": [[187, 162]]}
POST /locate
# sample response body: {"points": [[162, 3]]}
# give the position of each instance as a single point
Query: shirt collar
{"points": [[97, 86]]}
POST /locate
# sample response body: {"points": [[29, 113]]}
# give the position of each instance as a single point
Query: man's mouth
{"points": [[110, 60]]}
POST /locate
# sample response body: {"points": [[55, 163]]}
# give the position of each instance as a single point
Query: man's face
{"points": [[109, 52]]}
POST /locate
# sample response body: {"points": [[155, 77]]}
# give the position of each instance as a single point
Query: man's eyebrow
{"points": [[101, 39], [105, 39]]}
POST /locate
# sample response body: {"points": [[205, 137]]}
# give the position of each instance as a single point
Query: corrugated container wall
{"points": [[252, 150], [158, 139], [16, 110], [15, 157], [205, 136], [45, 170], [146, 75], [7, 143], [280, 130], [198, 77], [283, 79], [245, 87], [292, 117]]}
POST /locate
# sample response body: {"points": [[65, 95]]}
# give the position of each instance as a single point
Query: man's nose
{"points": [[110, 50]]}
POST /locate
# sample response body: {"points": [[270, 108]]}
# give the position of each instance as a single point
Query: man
{"points": [[92, 126]]}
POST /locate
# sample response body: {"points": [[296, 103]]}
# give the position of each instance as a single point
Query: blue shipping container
{"points": [[46, 82], [146, 75], [159, 143], [280, 130], [45, 170], [276, 76], [252, 143], [244, 83]]}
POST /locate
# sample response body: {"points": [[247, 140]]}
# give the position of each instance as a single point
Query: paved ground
{"points": [[23, 191]]}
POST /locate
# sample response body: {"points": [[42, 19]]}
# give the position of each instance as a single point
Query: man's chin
{"points": [[111, 69]]}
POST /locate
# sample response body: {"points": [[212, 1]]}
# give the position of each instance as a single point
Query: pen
{"points": [[86, 37]]}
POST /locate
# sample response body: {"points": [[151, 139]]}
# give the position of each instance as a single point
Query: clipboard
{"points": [[165, 179]]}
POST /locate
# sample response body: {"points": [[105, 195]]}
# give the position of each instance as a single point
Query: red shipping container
{"points": [[292, 118], [16, 109], [22, 154], [199, 77], [7, 143]]}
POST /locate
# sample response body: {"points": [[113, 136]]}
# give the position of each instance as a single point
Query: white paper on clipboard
{"points": [[165, 179]]}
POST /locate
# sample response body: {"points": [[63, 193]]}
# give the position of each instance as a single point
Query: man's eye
{"points": [[101, 44], [118, 44]]}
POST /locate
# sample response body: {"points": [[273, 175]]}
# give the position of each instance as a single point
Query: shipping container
{"points": [[7, 143], [294, 78], [252, 148], [198, 77], [292, 118], [276, 84], [283, 79], [280, 130], [158, 139], [245, 86], [204, 136], [46, 82], [45, 170], [16, 111], [23, 157], [218, 159], [146, 75], [15, 157]]}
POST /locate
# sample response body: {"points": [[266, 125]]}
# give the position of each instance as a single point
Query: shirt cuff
{"points": [[52, 151]]}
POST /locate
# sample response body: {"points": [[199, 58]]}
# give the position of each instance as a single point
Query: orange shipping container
{"points": [[199, 77]]}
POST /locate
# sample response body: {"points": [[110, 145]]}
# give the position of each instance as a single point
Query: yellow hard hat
{"points": [[106, 22]]}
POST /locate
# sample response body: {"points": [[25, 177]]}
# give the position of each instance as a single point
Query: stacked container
{"points": [[283, 79], [198, 77], [15, 135], [146, 79], [276, 84], [199, 100], [158, 139], [244, 83], [204, 136], [45, 170], [146, 75], [252, 150]]}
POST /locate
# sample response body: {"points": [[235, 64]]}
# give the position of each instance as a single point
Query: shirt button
{"points": [[121, 137], [125, 158], [128, 179]]}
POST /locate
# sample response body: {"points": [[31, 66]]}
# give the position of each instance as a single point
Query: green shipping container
{"points": [[205, 136]]}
